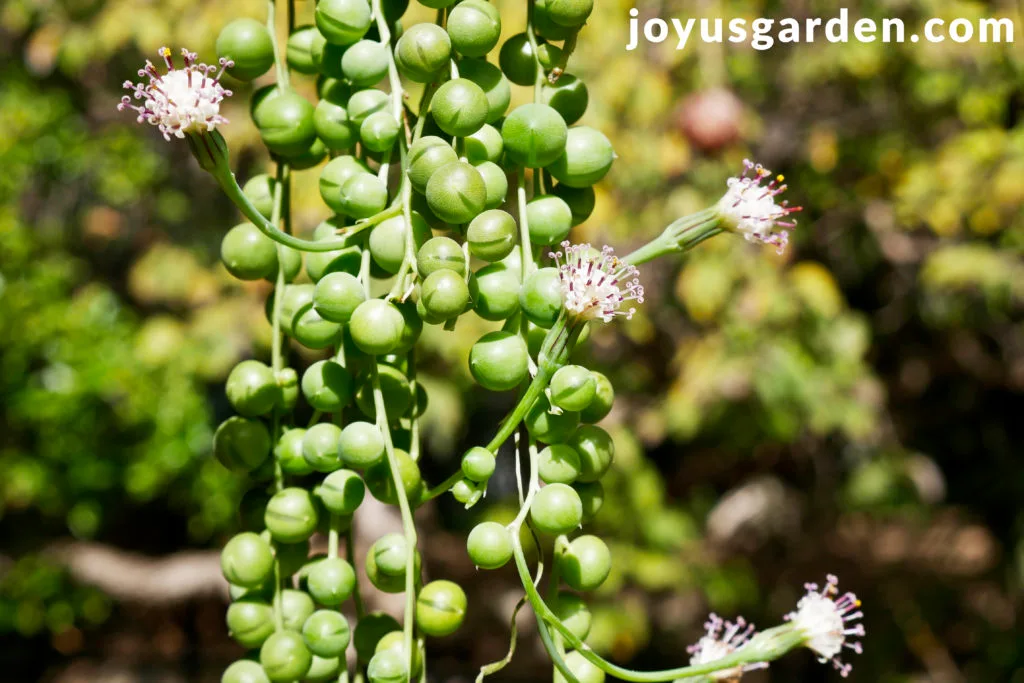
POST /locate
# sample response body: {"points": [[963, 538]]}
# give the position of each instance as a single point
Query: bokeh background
{"points": [[853, 406]]}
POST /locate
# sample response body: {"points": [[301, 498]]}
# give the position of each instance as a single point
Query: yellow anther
{"points": [[165, 52], [780, 177]]}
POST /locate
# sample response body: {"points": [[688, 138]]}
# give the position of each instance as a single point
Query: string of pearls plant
{"points": [[425, 230]]}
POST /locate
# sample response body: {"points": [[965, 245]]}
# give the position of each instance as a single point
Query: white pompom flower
{"points": [[182, 101], [722, 638], [750, 207], [596, 284], [823, 618]]}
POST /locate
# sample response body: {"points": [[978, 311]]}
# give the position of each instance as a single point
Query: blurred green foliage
{"points": [[98, 420], [851, 406]]}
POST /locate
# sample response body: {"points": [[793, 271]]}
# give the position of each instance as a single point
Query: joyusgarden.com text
{"points": [[764, 33]]}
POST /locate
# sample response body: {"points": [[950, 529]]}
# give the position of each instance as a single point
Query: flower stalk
{"points": [[226, 179], [547, 618], [405, 509], [748, 208], [679, 237]]}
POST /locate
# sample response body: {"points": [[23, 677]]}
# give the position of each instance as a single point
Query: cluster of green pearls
{"points": [[441, 239]]}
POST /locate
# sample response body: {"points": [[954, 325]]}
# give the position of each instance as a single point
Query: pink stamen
{"points": [[178, 104]]}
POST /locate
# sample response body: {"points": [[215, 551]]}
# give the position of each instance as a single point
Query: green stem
{"points": [[553, 642], [554, 353], [406, 269], [423, 669], [280, 65], [560, 546], [525, 249], [529, 585], [554, 651], [222, 173], [527, 263], [521, 439], [538, 79], [350, 553], [408, 524], [496, 666], [512, 420], [414, 420], [680, 236], [405, 186], [281, 206], [444, 486], [364, 271], [568, 47], [428, 93], [332, 536], [278, 609], [546, 615]]}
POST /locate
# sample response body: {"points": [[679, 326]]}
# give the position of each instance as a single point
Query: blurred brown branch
{"points": [[189, 575], [133, 577]]}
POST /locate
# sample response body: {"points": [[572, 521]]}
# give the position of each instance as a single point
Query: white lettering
{"points": [[864, 30], [837, 30]]}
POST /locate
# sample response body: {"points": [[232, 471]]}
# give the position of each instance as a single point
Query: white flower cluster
{"points": [[823, 618], [181, 101], [721, 639], [821, 621], [749, 207], [596, 284]]}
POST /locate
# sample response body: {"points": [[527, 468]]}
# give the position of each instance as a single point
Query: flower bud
{"points": [[210, 150]]}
